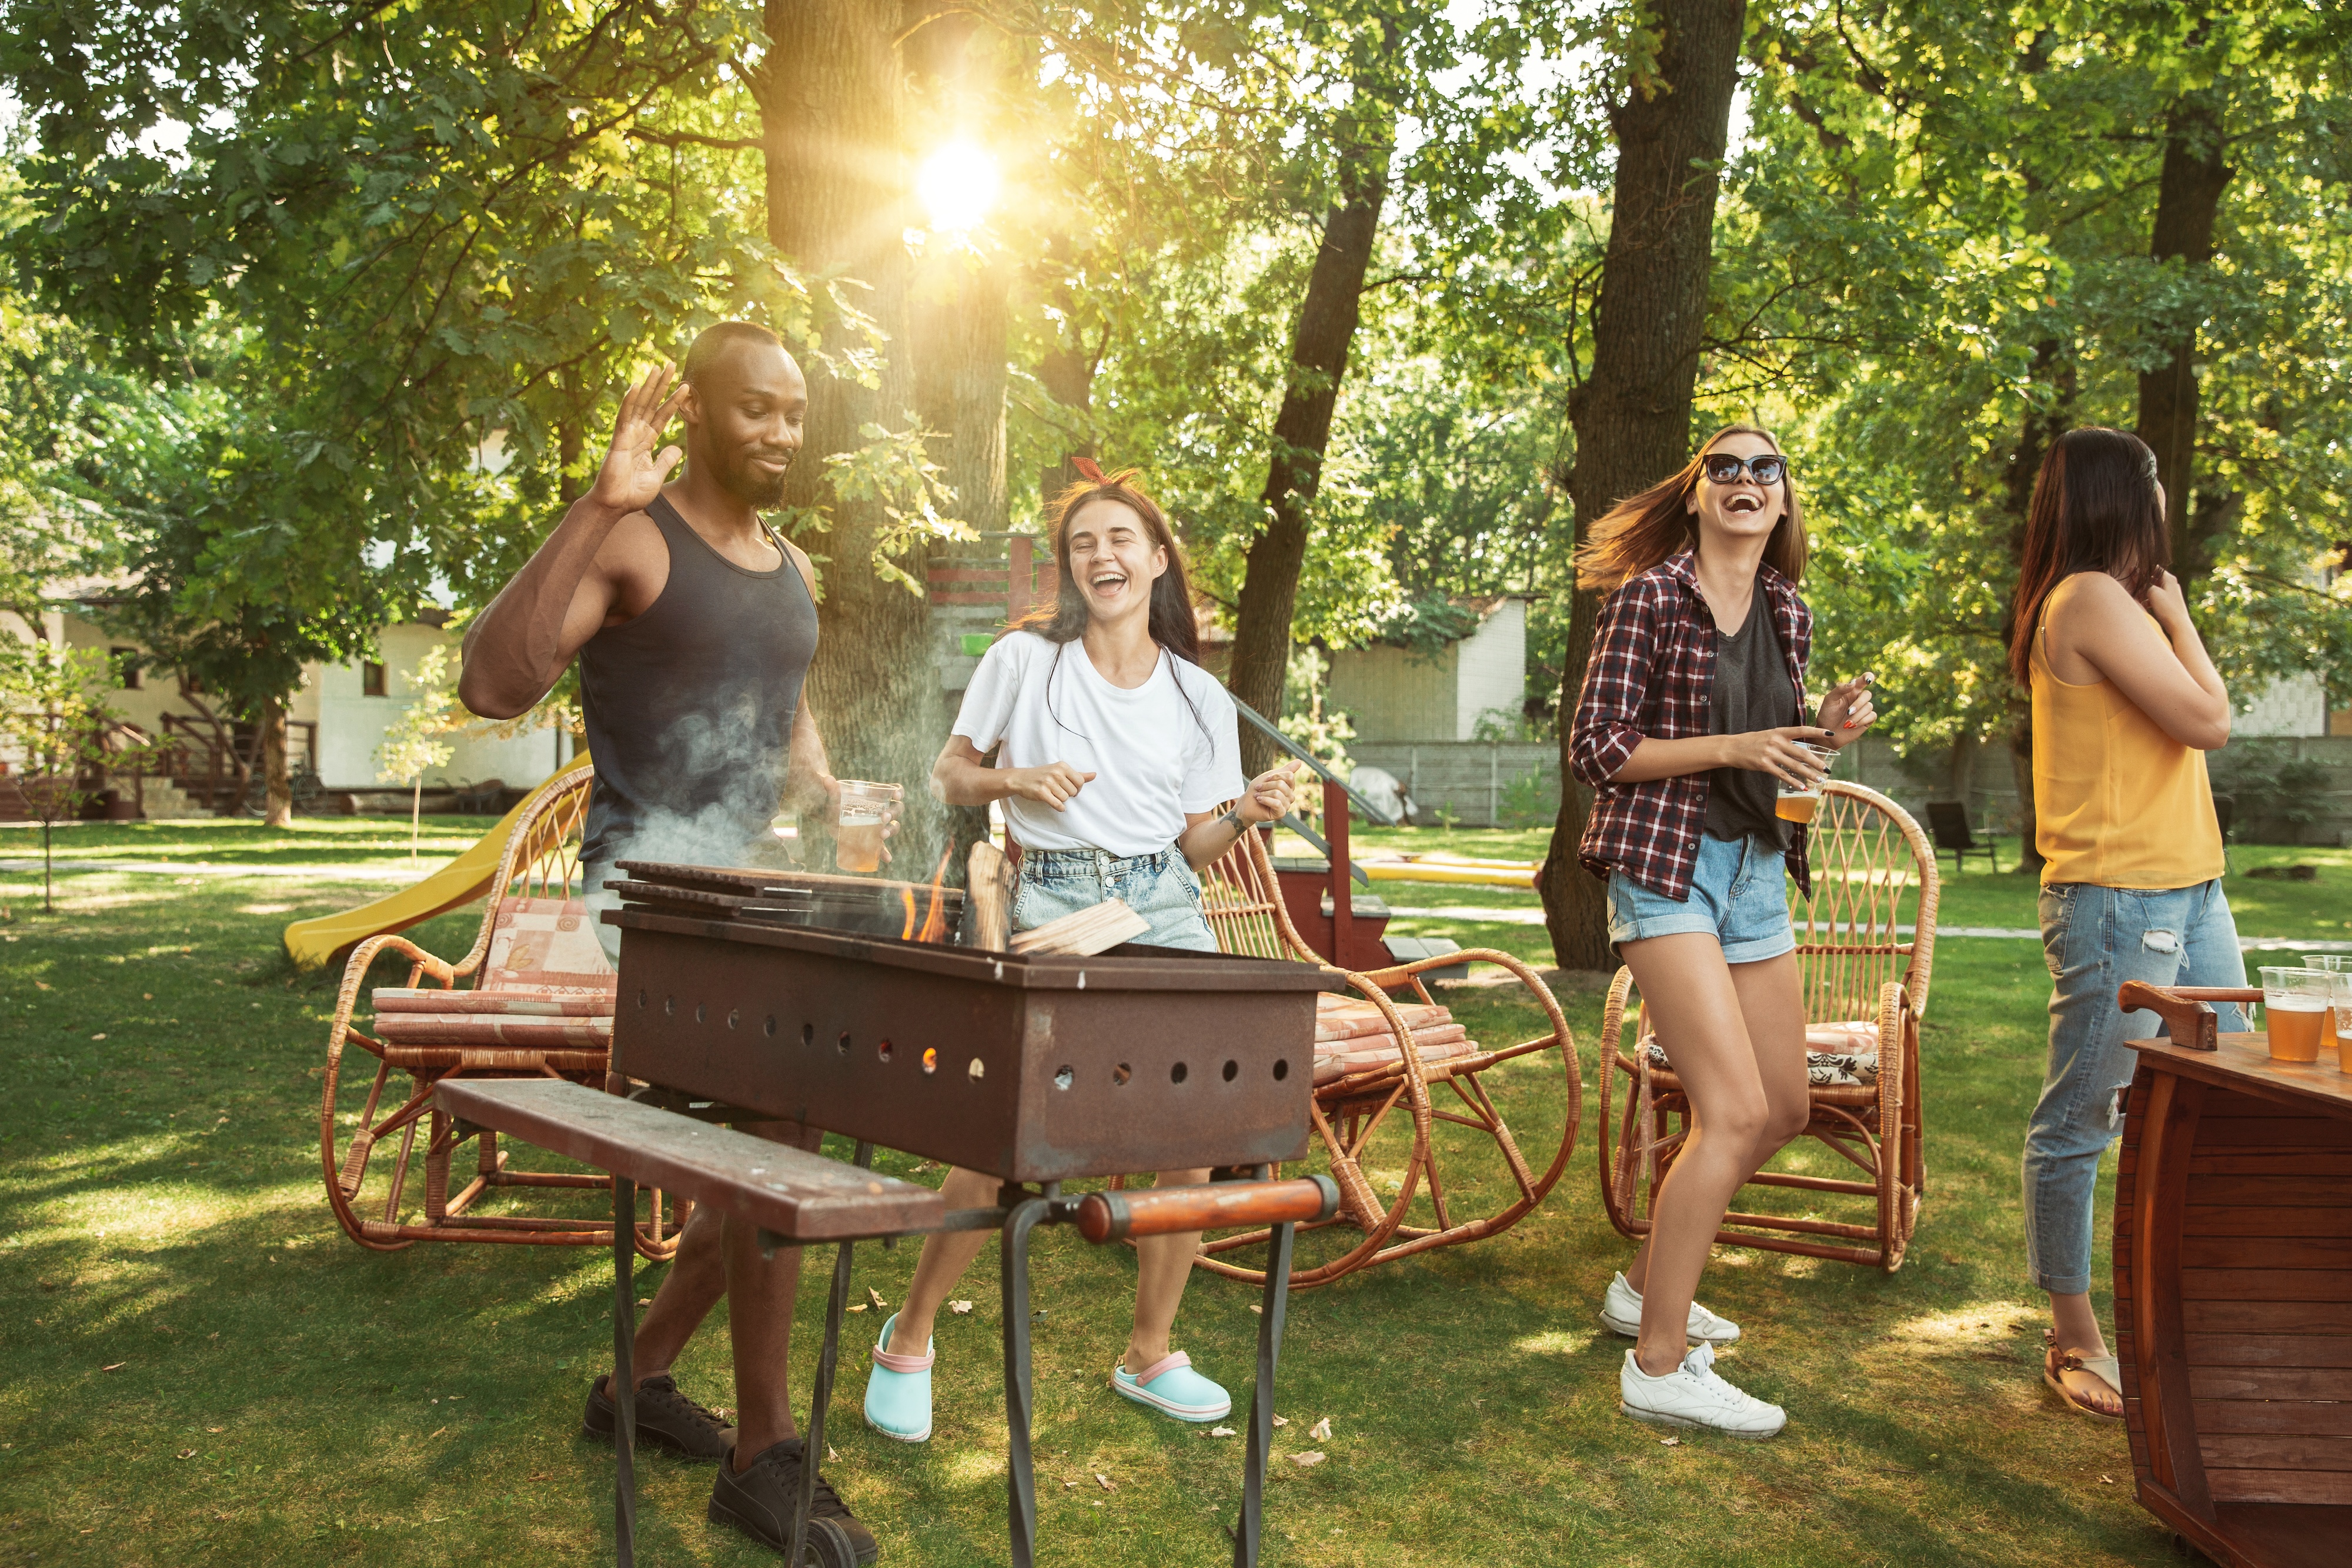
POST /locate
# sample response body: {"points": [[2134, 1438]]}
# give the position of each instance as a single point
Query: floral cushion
{"points": [[1835, 1054], [546, 943]]}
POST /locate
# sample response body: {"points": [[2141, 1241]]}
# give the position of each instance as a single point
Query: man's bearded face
{"points": [[754, 407]]}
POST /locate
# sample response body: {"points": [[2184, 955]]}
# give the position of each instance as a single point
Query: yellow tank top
{"points": [[2116, 801]]}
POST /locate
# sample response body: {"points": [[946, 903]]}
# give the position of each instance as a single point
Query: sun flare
{"points": [[958, 185]]}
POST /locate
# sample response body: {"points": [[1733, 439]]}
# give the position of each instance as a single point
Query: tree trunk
{"points": [[2189, 195], [1632, 414], [276, 782], [1302, 430], [830, 95], [2042, 424], [1066, 371]]}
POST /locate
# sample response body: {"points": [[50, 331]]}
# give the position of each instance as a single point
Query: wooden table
{"points": [[2233, 1290]]}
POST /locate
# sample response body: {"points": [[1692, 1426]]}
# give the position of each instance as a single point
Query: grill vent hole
{"points": [[769, 1029], [883, 1051], [1176, 1073], [1062, 1078], [669, 1007], [701, 1010], [931, 1062], [1121, 1073], [977, 1070], [641, 997], [734, 1017], [808, 1034], [1281, 1068], [841, 1045], [1232, 1070]]}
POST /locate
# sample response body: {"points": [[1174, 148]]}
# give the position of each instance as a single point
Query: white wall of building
{"points": [[2296, 706], [352, 723], [1492, 673]]}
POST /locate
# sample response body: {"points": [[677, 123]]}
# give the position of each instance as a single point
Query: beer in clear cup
{"points": [[2296, 1004], [1799, 804], [865, 812], [2330, 1037]]}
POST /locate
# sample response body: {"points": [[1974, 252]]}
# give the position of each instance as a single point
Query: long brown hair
{"points": [[1640, 531], [1172, 624], [2094, 508]]}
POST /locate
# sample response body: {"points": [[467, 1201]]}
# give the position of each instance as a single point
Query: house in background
{"points": [[1400, 694], [334, 724]]}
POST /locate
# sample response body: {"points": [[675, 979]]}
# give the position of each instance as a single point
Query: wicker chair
{"points": [[1865, 991], [540, 1005], [1379, 1066]]}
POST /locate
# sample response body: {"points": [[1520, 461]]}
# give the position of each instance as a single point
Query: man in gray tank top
{"points": [[695, 626]]}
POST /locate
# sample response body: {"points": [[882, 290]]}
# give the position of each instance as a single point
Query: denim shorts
{"points": [[1738, 895], [1162, 888]]}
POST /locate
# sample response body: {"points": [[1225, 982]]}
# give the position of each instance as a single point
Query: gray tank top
{"points": [[1751, 692], [689, 707]]}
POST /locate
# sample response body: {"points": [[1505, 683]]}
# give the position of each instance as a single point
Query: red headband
{"points": [[1087, 471]]}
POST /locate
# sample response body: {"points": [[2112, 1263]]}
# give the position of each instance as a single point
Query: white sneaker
{"points": [[1620, 1309], [1692, 1395]]}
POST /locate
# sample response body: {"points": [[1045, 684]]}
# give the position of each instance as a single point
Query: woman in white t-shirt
{"points": [[1116, 748]]}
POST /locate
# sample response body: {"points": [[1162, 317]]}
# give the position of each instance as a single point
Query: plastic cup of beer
{"points": [[2296, 1004], [1796, 804], [2330, 1037], [866, 813]]}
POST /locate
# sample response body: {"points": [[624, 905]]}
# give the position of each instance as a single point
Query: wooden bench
{"points": [[797, 1197]]}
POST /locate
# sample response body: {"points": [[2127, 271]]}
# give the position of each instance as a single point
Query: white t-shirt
{"points": [[1155, 757]]}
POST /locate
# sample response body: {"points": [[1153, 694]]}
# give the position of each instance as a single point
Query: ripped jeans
{"points": [[2094, 938]]}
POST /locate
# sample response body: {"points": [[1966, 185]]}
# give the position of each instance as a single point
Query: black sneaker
{"points": [[759, 1502], [666, 1418]]}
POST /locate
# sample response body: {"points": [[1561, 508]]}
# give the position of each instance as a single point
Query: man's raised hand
{"points": [[633, 473]]}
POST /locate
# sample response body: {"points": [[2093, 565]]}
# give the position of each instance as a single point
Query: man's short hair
{"points": [[713, 342]]}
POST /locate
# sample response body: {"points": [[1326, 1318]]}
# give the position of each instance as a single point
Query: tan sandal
{"points": [[2105, 1368]]}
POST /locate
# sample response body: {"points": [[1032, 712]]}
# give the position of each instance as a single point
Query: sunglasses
{"points": [[1726, 469]]}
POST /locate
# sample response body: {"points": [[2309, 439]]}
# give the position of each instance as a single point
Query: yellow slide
{"points": [[1488, 874], [311, 943]]}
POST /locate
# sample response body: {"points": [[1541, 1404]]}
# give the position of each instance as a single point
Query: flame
{"points": [[935, 927], [907, 931]]}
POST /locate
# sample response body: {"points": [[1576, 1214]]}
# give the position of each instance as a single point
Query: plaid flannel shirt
{"points": [[1652, 676]]}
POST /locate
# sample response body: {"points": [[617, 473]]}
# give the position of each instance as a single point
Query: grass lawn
{"points": [[205, 1370]]}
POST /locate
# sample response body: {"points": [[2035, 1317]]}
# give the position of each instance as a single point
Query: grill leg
{"points": [[624, 1376], [1020, 1479], [813, 1440], [1261, 1426]]}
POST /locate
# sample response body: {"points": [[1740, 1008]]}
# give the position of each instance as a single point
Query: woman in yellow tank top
{"points": [[2126, 704]]}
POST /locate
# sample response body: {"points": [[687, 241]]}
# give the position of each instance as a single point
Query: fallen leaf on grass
{"points": [[97, 1037], [1282, 1420], [830, 1457], [1309, 1458], [1069, 1486], [857, 1307], [875, 1296], [187, 1454], [213, 1429], [1670, 1442], [2106, 1480], [1321, 1431], [960, 1309], [40, 985], [1221, 1431], [1106, 1482], [644, 1301], [435, 1433], [1257, 1308], [116, 1367]]}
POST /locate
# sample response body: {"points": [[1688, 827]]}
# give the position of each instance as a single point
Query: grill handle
{"points": [[1117, 1216]]}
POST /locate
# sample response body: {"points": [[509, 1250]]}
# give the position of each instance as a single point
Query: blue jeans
{"points": [[2094, 938], [1738, 895], [1162, 888]]}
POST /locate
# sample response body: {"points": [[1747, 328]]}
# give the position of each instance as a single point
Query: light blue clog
{"points": [[899, 1391], [1172, 1388]]}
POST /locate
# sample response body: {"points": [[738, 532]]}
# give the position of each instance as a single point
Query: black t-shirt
{"points": [[1752, 691]]}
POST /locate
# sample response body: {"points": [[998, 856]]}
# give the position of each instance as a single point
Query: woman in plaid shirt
{"points": [[1693, 712]]}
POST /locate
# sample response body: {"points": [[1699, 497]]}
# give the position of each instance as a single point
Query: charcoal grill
{"points": [[1038, 1069]]}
